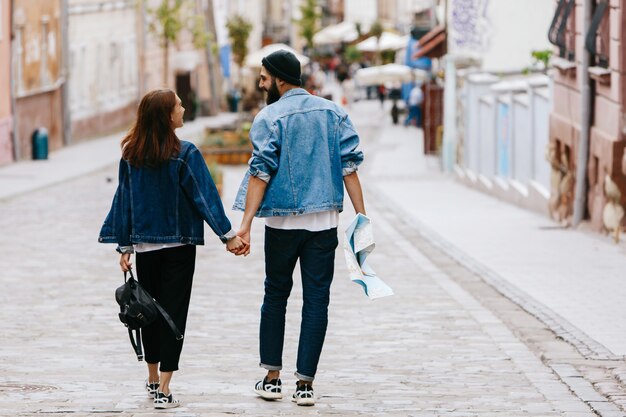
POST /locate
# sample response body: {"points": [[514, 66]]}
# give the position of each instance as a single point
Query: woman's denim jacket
{"points": [[303, 146], [165, 204]]}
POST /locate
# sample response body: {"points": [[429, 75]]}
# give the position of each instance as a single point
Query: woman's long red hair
{"points": [[151, 140]]}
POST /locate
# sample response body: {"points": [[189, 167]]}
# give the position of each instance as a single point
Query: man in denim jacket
{"points": [[305, 150]]}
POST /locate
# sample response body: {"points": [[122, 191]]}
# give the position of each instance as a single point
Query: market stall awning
{"points": [[382, 74], [341, 32], [388, 41], [432, 44]]}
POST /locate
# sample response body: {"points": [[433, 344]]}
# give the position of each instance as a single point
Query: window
{"points": [[562, 31], [598, 38]]}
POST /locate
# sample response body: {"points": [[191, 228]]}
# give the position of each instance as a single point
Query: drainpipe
{"points": [[16, 137], [580, 193], [448, 152], [65, 74]]}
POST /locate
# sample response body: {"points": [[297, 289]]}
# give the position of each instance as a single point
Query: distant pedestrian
{"points": [[395, 112], [305, 151], [416, 98], [165, 194], [381, 92]]}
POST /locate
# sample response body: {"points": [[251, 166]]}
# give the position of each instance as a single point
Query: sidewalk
{"points": [[84, 158], [571, 280]]}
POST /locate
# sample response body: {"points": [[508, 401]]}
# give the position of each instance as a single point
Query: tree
{"points": [[352, 54], [308, 21], [377, 30], [168, 21], [239, 31]]}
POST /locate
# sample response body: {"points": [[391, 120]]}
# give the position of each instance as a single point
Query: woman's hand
{"points": [[125, 263]]}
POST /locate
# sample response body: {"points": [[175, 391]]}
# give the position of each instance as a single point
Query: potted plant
{"points": [[217, 174], [227, 147]]}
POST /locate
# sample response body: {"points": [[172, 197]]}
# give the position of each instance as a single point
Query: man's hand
{"points": [[125, 263]]}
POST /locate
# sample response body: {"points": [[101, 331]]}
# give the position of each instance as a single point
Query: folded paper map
{"points": [[357, 245]]}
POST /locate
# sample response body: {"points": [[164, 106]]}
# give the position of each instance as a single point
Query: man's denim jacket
{"points": [[165, 204], [303, 146]]}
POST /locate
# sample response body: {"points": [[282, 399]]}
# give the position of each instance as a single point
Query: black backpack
{"points": [[138, 309]]}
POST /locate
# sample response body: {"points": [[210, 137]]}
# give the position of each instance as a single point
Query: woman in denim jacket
{"points": [[164, 196]]}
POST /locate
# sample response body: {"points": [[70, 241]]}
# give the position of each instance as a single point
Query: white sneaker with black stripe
{"points": [[269, 390], [303, 395], [152, 388], [162, 401]]}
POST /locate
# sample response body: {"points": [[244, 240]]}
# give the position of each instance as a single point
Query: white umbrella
{"points": [[383, 74], [253, 59], [341, 32], [387, 41]]}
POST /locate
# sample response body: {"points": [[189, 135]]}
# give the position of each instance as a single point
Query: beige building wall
{"points": [[364, 12], [186, 64], [37, 63], [103, 70], [6, 121]]}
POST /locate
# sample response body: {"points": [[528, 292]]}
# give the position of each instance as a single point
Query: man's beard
{"points": [[273, 95]]}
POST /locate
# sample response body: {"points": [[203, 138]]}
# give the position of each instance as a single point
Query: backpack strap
{"points": [[136, 344], [136, 341], [169, 321]]}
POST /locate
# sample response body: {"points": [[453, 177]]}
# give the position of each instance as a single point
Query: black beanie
{"points": [[284, 65]]}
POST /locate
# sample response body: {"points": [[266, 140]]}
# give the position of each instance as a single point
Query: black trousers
{"points": [[167, 274]]}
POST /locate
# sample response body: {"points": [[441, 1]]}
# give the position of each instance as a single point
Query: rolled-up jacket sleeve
{"points": [[198, 185], [266, 150], [351, 158]]}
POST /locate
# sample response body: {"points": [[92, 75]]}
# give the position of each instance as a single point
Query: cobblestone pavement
{"points": [[433, 349]]}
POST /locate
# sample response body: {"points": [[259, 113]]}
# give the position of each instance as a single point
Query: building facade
{"points": [[103, 70], [187, 65], [37, 73], [496, 117], [6, 119], [607, 137], [277, 22]]}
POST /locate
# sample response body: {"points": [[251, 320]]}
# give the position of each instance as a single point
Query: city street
{"points": [[448, 343]]}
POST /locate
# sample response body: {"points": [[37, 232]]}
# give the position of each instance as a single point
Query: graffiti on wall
{"points": [[468, 25]]}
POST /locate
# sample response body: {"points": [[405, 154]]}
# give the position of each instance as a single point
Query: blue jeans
{"points": [[415, 113], [316, 251]]}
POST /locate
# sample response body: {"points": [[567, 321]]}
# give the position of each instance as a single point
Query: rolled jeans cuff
{"points": [[263, 176], [228, 236], [270, 367], [304, 377], [349, 169], [126, 249]]}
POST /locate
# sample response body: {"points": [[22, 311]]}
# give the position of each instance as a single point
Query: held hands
{"points": [[238, 246], [241, 243], [244, 234]]}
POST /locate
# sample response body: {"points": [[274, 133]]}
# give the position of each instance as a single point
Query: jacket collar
{"points": [[294, 92]]}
